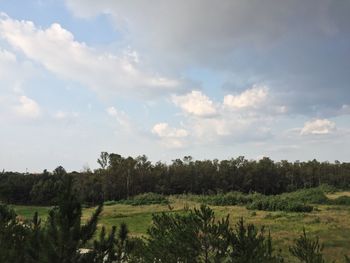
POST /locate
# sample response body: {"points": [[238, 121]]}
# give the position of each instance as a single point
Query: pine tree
{"points": [[104, 249], [307, 250], [213, 236], [251, 246], [12, 237], [34, 240], [65, 236]]}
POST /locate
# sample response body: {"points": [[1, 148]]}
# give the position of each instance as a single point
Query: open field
{"points": [[331, 223], [337, 194]]}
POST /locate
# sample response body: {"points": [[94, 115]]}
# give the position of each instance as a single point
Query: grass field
{"points": [[330, 223]]}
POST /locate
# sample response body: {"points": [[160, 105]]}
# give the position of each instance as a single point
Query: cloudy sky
{"points": [[210, 79]]}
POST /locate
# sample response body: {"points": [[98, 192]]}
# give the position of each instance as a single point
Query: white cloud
{"points": [[121, 117], [57, 50], [27, 108], [319, 126], [195, 103], [170, 137], [163, 130], [7, 57], [248, 122], [62, 115], [251, 98], [229, 127], [13, 72]]}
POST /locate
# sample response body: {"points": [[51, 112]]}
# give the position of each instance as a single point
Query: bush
{"points": [[278, 203], [231, 198], [289, 202], [108, 203], [307, 250], [198, 237], [326, 188], [310, 196], [341, 200], [145, 199]]}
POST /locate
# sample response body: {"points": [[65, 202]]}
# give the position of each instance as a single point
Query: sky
{"points": [[210, 79]]}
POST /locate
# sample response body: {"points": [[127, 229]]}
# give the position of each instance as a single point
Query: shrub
{"points": [[12, 234], [326, 188], [341, 200], [278, 203], [145, 199], [230, 198], [307, 250], [311, 196], [251, 245], [198, 237], [108, 203]]}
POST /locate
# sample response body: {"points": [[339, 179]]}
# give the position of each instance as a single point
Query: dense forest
{"points": [[120, 178]]}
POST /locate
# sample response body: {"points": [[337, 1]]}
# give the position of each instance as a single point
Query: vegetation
{"points": [[143, 199], [165, 208], [61, 239], [329, 222], [121, 178], [230, 198], [276, 203], [307, 250], [341, 200], [298, 201]]}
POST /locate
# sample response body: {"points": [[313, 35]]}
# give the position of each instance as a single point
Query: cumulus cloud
{"points": [[170, 137], [195, 103], [251, 98], [318, 127], [163, 130], [57, 50], [210, 121], [27, 108], [230, 128]]}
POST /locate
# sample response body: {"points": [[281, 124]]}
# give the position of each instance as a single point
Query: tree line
{"points": [[123, 177]]}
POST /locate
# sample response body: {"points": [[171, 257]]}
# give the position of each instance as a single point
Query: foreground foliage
{"points": [[306, 250], [63, 239]]}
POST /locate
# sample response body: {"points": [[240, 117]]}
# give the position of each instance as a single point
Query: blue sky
{"points": [[172, 78]]}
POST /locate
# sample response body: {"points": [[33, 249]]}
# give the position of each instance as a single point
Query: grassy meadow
{"points": [[330, 222]]}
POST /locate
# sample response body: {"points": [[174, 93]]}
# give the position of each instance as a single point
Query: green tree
{"points": [[12, 237], [307, 250], [65, 235], [103, 161], [251, 246], [213, 236], [172, 238], [34, 240]]}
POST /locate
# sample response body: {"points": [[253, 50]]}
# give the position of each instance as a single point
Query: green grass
{"points": [[27, 212], [330, 222], [142, 199]]}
